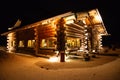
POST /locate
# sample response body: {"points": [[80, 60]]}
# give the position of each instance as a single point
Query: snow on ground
{"points": [[14, 66]]}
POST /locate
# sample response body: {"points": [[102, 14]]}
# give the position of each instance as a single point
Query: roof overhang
{"points": [[97, 21], [42, 22]]}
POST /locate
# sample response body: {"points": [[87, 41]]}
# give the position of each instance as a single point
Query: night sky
{"points": [[32, 11]]}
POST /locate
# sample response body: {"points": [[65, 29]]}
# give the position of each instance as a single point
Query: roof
{"points": [[93, 15], [36, 23]]}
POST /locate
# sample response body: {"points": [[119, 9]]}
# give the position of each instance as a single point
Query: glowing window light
{"points": [[43, 43], [29, 43], [13, 43], [21, 44]]}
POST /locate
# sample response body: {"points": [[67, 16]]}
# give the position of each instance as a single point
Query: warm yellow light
{"points": [[69, 21], [57, 59], [57, 52], [85, 26], [72, 17], [93, 50], [21, 44], [84, 21], [53, 59], [86, 38], [86, 34], [96, 18]]}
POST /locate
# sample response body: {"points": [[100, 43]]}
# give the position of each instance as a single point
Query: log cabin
{"points": [[79, 32]]}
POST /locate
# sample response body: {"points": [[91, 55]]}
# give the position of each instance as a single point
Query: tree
{"points": [[61, 39]]}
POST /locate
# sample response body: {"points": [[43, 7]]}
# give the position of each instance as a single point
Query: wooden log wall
{"points": [[27, 34], [24, 35], [43, 32], [11, 42], [46, 31]]}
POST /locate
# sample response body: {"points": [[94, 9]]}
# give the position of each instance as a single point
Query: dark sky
{"points": [[31, 11]]}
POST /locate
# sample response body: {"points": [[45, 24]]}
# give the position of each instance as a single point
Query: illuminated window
{"points": [[50, 42], [43, 43], [13, 43], [31, 43], [21, 43], [73, 42]]}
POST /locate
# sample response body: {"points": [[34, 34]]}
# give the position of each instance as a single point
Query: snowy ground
{"points": [[26, 67]]}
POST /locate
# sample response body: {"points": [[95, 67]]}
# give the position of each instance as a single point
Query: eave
{"points": [[42, 22]]}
